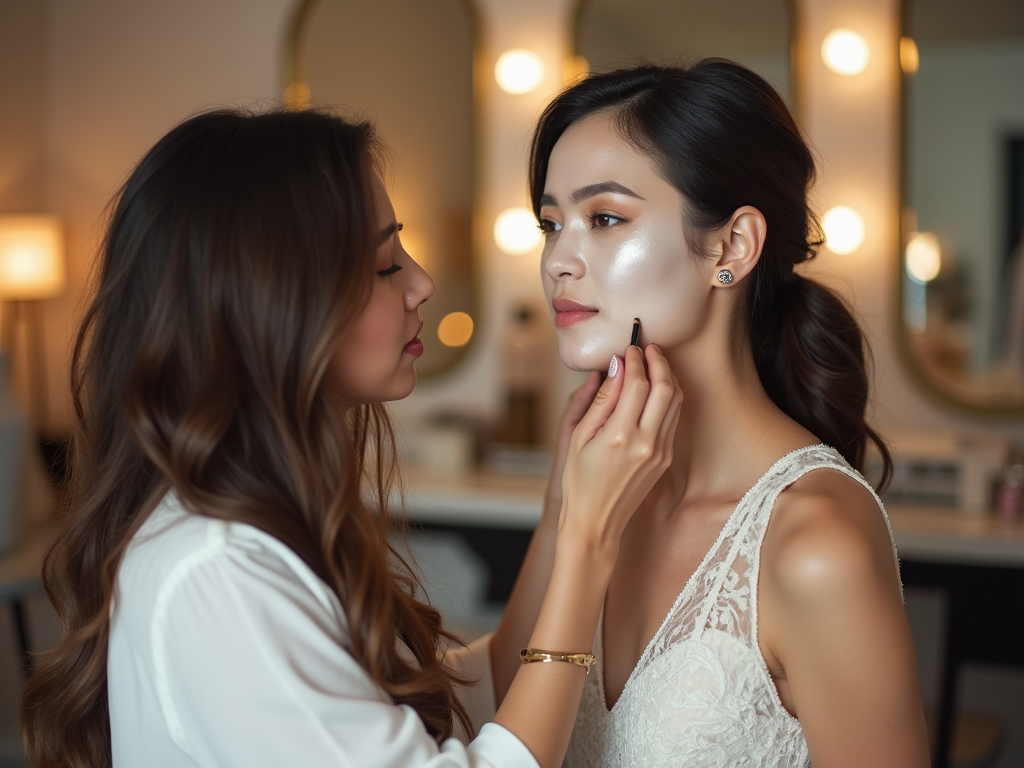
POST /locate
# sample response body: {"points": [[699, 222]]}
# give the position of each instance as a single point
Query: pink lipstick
{"points": [[415, 347], [568, 312]]}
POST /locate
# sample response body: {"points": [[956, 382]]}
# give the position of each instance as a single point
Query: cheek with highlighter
{"points": [[649, 274]]}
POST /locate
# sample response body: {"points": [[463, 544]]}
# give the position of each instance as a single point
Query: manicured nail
{"points": [[613, 366], [656, 348]]}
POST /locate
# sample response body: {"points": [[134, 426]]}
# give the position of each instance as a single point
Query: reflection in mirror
{"points": [[610, 34], [408, 66], [963, 200]]}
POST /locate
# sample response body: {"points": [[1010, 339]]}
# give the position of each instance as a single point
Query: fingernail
{"points": [[656, 348], [613, 366]]}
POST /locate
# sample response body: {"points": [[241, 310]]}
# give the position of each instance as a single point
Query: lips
{"points": [[569, 312], [415, 347]]}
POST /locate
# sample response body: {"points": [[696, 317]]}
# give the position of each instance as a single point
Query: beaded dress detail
{"points": [[701, 695]]}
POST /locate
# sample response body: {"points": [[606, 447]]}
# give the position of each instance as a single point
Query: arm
{"points": [[833, 620], [524, 603], [617, 452]]}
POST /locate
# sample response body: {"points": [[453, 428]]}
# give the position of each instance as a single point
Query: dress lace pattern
{"points": [[701, 695]]}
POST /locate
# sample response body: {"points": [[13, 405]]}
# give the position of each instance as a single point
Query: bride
{"points": [[755, 612]]}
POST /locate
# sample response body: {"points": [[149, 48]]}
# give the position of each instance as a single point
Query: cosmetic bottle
{"points": [[1011, 493]]}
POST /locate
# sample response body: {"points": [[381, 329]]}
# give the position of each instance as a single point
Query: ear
{"points": [[737, 246]]}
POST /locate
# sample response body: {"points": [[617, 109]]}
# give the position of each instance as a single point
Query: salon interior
{"points": [[914, 109]]}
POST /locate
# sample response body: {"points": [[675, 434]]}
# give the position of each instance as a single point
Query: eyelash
{"points": [[546, 226], [394, 267]]}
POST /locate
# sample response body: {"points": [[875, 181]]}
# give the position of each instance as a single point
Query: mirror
{"points": [[408, 66], [610, 34], [962, 233]]}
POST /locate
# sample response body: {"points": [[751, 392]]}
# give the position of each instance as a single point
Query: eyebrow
{"points": [[592, 190], [388, 232]]}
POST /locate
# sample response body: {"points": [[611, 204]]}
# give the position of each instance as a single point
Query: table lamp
{"points": [[31, 268]]}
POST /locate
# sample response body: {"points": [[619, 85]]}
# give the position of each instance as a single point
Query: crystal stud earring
{"points": [[724, 276]]}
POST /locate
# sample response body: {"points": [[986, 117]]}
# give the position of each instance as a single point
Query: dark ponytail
{"points": [[724, 138]]}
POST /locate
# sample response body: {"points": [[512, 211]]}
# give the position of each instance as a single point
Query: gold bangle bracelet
{"points": [[530, 655]]}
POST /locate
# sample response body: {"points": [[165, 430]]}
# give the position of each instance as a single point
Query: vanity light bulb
{"points": [[516, 231], [844, 229], [910, 58], [455, 329], [924, 257], [519, 70], [845, 52]]}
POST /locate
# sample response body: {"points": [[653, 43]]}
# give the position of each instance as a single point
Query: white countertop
{"points": [[922, 533]]}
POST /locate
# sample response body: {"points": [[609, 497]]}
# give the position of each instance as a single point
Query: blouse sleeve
{"points": [[252, 670]]}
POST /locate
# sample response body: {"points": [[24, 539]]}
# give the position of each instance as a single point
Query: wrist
{"points": [[586, 551]]}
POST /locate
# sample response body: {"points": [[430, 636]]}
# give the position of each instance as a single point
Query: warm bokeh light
{"points": [[456, 329], [519, 70], [845, 51], [297, 96], [910, 59], [575, 68], [31, 257], [844, 229], [924, 257], [516, 231]]}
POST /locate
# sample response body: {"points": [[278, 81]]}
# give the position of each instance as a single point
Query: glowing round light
{"points": [[515, 231], [456, 329], [519, 70], [924, 257], [844, 229], [910, 59], [845, 51]]}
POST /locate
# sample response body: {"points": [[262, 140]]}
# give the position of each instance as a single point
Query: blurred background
{"points": [[914, 108]]}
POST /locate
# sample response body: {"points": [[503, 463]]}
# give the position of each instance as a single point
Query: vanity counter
{"points": [[923, 534]]}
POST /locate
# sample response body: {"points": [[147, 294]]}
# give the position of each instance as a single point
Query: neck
{"points": [[729, 430]]}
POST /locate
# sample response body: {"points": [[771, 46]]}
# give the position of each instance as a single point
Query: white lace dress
{"points": [[701, 695]]}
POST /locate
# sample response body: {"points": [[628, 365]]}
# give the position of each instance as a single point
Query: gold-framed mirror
{"points": [[757, 33], [408, 66], [961, 308]]}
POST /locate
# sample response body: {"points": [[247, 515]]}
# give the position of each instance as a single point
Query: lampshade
{"points": [[31, 257]]}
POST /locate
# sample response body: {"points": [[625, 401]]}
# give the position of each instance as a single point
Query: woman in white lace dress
{"points": [[754, 617]]}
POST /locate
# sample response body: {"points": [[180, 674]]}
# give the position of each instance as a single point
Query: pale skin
{"points": [[831, 625], [625, 426]]}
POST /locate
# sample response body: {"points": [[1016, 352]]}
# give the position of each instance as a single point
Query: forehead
{"points": [[592, 151], [381, 200]]}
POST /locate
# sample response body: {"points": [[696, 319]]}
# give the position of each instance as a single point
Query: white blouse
{"points": [[227, 650]]}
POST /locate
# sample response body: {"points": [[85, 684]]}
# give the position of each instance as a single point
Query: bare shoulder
{"points": [[826, 537]]}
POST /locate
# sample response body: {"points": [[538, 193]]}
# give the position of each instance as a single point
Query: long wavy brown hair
{"points": [[237, 253]]}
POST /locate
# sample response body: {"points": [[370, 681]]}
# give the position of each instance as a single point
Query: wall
{"points": [[119, 73]]}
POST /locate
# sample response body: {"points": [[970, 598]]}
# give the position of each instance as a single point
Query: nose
{"points": [[562, 258], [419, 288]]}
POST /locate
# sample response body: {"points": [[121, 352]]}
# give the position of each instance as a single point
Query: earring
{"points": [[724, 276]]}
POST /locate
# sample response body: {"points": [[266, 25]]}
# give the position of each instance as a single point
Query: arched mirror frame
{"points": [[909, 359], [297, 95], [797, 51]]}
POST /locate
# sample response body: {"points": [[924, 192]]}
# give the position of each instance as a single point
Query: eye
{"points": [[604, 220], [389, 271], [547, 226]]}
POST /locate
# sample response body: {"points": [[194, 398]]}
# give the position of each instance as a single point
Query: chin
{"points": [[587, 358]]}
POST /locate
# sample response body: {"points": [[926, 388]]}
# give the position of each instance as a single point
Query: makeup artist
{"points": [[224, 578]]}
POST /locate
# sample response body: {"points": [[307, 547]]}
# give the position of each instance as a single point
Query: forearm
{"points": [[541, 703], [524, 604]]}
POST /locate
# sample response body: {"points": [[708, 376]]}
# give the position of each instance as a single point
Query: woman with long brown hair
{"points": [[224, 577]]}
